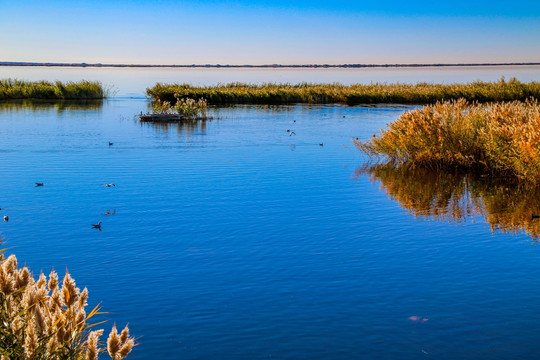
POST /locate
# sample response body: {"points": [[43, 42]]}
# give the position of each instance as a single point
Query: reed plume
{"points": [[41, 320], [496, 138], [397, 93], [82, 90]]}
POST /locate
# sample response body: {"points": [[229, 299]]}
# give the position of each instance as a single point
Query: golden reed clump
{"points": [[354, 94], [44, 319], [497, 138]]}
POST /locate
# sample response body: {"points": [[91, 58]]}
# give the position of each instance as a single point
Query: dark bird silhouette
{"points": [[39, 184], [109, 185], [97, 226], [288, 130], [6, 218], [111, 144], [294, 120], [292, 133], [321, 144]]}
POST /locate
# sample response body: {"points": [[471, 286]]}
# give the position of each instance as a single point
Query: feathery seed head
{"points": [[113, 343]]}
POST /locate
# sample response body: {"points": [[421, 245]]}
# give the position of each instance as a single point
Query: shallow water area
{"points": [[233, 239]]}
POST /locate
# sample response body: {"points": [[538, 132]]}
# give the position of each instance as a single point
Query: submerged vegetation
{"points": [[11, 89], [497, 138], [420, 93], [455, 196], [43, 319], [189, 108]]}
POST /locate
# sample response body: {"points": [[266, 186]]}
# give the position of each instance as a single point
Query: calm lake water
{"points": [[231, 239]]}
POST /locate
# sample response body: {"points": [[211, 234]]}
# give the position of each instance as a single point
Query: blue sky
{"points": [[266, 32]]}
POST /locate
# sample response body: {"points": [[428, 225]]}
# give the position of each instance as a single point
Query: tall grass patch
{"points": [[500, 138], [12, 89], [48, 319], [420, 93]]}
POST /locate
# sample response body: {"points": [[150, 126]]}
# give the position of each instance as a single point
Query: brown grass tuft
{"points": [[498, 138], [40, 321]]}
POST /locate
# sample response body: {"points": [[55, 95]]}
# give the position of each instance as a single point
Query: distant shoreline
{"points": [[272, 66]]}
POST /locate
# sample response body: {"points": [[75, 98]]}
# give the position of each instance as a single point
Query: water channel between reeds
{"points": [[233, 239]]}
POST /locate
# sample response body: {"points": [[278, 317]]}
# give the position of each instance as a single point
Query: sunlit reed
{"points": [[45, 319], [497, 138], [190, 109], [19, 89], [397, 93]]}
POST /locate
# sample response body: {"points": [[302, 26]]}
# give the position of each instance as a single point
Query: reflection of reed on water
{"points": [[181, 127], [455, 196], [45, 105]]}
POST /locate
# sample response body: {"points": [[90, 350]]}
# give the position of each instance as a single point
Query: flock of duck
{"points": [[98, 224], [94, 226], [291, 133]]}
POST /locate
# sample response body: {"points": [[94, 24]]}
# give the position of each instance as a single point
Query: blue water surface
{"points": [[232, 239]]}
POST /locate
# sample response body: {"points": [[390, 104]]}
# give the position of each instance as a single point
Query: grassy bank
{"points": [[497, 138], [421, 93], [11, 89]]}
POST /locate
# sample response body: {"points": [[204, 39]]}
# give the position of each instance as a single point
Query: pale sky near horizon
{"points": [[267, 32]]}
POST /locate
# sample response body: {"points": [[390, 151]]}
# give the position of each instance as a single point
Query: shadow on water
{"points": [[181, 127], [47, 105], [456, 196]]}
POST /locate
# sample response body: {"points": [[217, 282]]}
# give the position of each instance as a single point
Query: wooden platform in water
{"points": [[161, 117]]}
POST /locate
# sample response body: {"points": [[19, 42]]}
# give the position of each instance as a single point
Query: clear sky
{"points": [[267, 32]]}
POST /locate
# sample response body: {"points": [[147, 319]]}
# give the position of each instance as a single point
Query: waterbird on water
{"points": [[292, 133], [39, 184], [97, 226], [109, 185], [6, 218], [321, 144], [111, 144]]}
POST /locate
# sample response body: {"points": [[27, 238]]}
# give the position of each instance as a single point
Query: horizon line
{"points": [[82, 64]]}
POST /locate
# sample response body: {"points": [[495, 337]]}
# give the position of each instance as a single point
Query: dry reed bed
{"points": [[11, 89], [498, 138], [191, 109], [43, 319], [454, 196], [421, 93]]}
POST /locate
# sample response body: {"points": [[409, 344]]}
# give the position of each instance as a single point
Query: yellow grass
{"points": [[498, 138], [397, 93], [82, 90], [47, 319]]}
